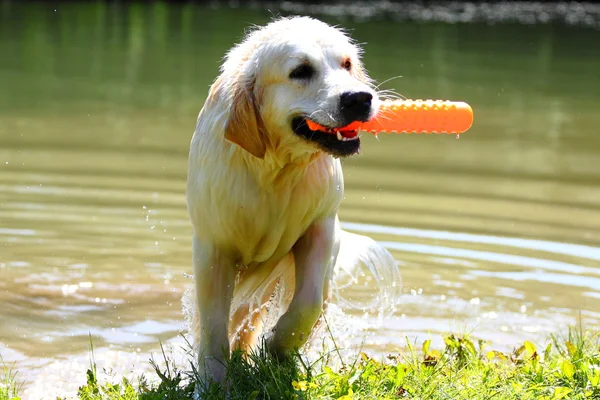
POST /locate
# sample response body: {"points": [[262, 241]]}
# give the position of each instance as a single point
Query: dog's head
{"points": [[286, 72]]}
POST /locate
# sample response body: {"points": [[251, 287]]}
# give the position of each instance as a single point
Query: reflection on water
{"points": [[498, 232]]}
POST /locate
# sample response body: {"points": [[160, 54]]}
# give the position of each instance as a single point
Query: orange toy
{"points": [[418, 116]]}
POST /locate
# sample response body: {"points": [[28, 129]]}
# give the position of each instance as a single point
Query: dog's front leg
{"points": [[313, 254], [215, 278]]}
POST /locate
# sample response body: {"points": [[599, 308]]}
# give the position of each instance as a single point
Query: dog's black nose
{"points": [[355, 106]]}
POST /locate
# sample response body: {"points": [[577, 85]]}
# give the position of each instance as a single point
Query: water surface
{"points": [[496, 233]]}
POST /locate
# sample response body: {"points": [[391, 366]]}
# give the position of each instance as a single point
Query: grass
{"points": [[9, 386], [567, 368]]}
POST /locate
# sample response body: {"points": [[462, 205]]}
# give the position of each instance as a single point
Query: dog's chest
{"points": [[232, 209], [285, 212]]}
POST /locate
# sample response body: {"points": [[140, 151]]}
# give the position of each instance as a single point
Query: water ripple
{"points": [[576, 250]]}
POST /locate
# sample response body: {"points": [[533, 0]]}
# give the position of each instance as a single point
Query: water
{"points": [[496, 233]]}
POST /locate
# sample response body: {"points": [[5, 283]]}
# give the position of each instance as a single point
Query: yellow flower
{"points": [[302, 385]]}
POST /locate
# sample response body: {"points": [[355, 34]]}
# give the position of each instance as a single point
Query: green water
{"points": [[498, 231]]}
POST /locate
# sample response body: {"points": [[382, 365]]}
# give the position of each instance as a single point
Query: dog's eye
{"points": [[304, 71], [347, 65]]}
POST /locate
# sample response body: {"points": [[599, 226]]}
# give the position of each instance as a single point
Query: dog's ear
{"points": [[244, 124]]}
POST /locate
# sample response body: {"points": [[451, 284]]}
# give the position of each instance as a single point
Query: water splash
{"points": [[361, 262]]}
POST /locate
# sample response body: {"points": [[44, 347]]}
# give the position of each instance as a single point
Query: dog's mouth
{"points": [[335, 141]]}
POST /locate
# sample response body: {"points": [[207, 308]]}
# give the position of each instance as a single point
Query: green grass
{"points": [[567, 367], [9, 386]]}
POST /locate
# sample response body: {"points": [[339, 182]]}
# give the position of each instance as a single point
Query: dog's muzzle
{"points": [[355, 106]]}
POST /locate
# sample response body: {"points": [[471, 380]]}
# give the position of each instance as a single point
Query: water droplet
{"points": [[523, 308], [337, 187], [458, 136]]}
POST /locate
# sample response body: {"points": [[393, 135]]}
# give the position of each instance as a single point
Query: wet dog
{"points": [[264, 190]]}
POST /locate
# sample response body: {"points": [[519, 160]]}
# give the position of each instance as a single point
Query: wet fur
{"points": [[263, 202]]}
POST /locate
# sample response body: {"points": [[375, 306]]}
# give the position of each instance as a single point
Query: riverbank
{"points": [[568, 367]]}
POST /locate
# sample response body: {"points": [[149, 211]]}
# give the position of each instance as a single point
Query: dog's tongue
{"points": [[348, 131]]}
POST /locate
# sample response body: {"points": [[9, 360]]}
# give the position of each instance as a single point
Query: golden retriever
{"points": [[263, 190]]}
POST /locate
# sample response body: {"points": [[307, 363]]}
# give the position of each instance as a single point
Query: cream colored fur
{"points": [[263, 201]]}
